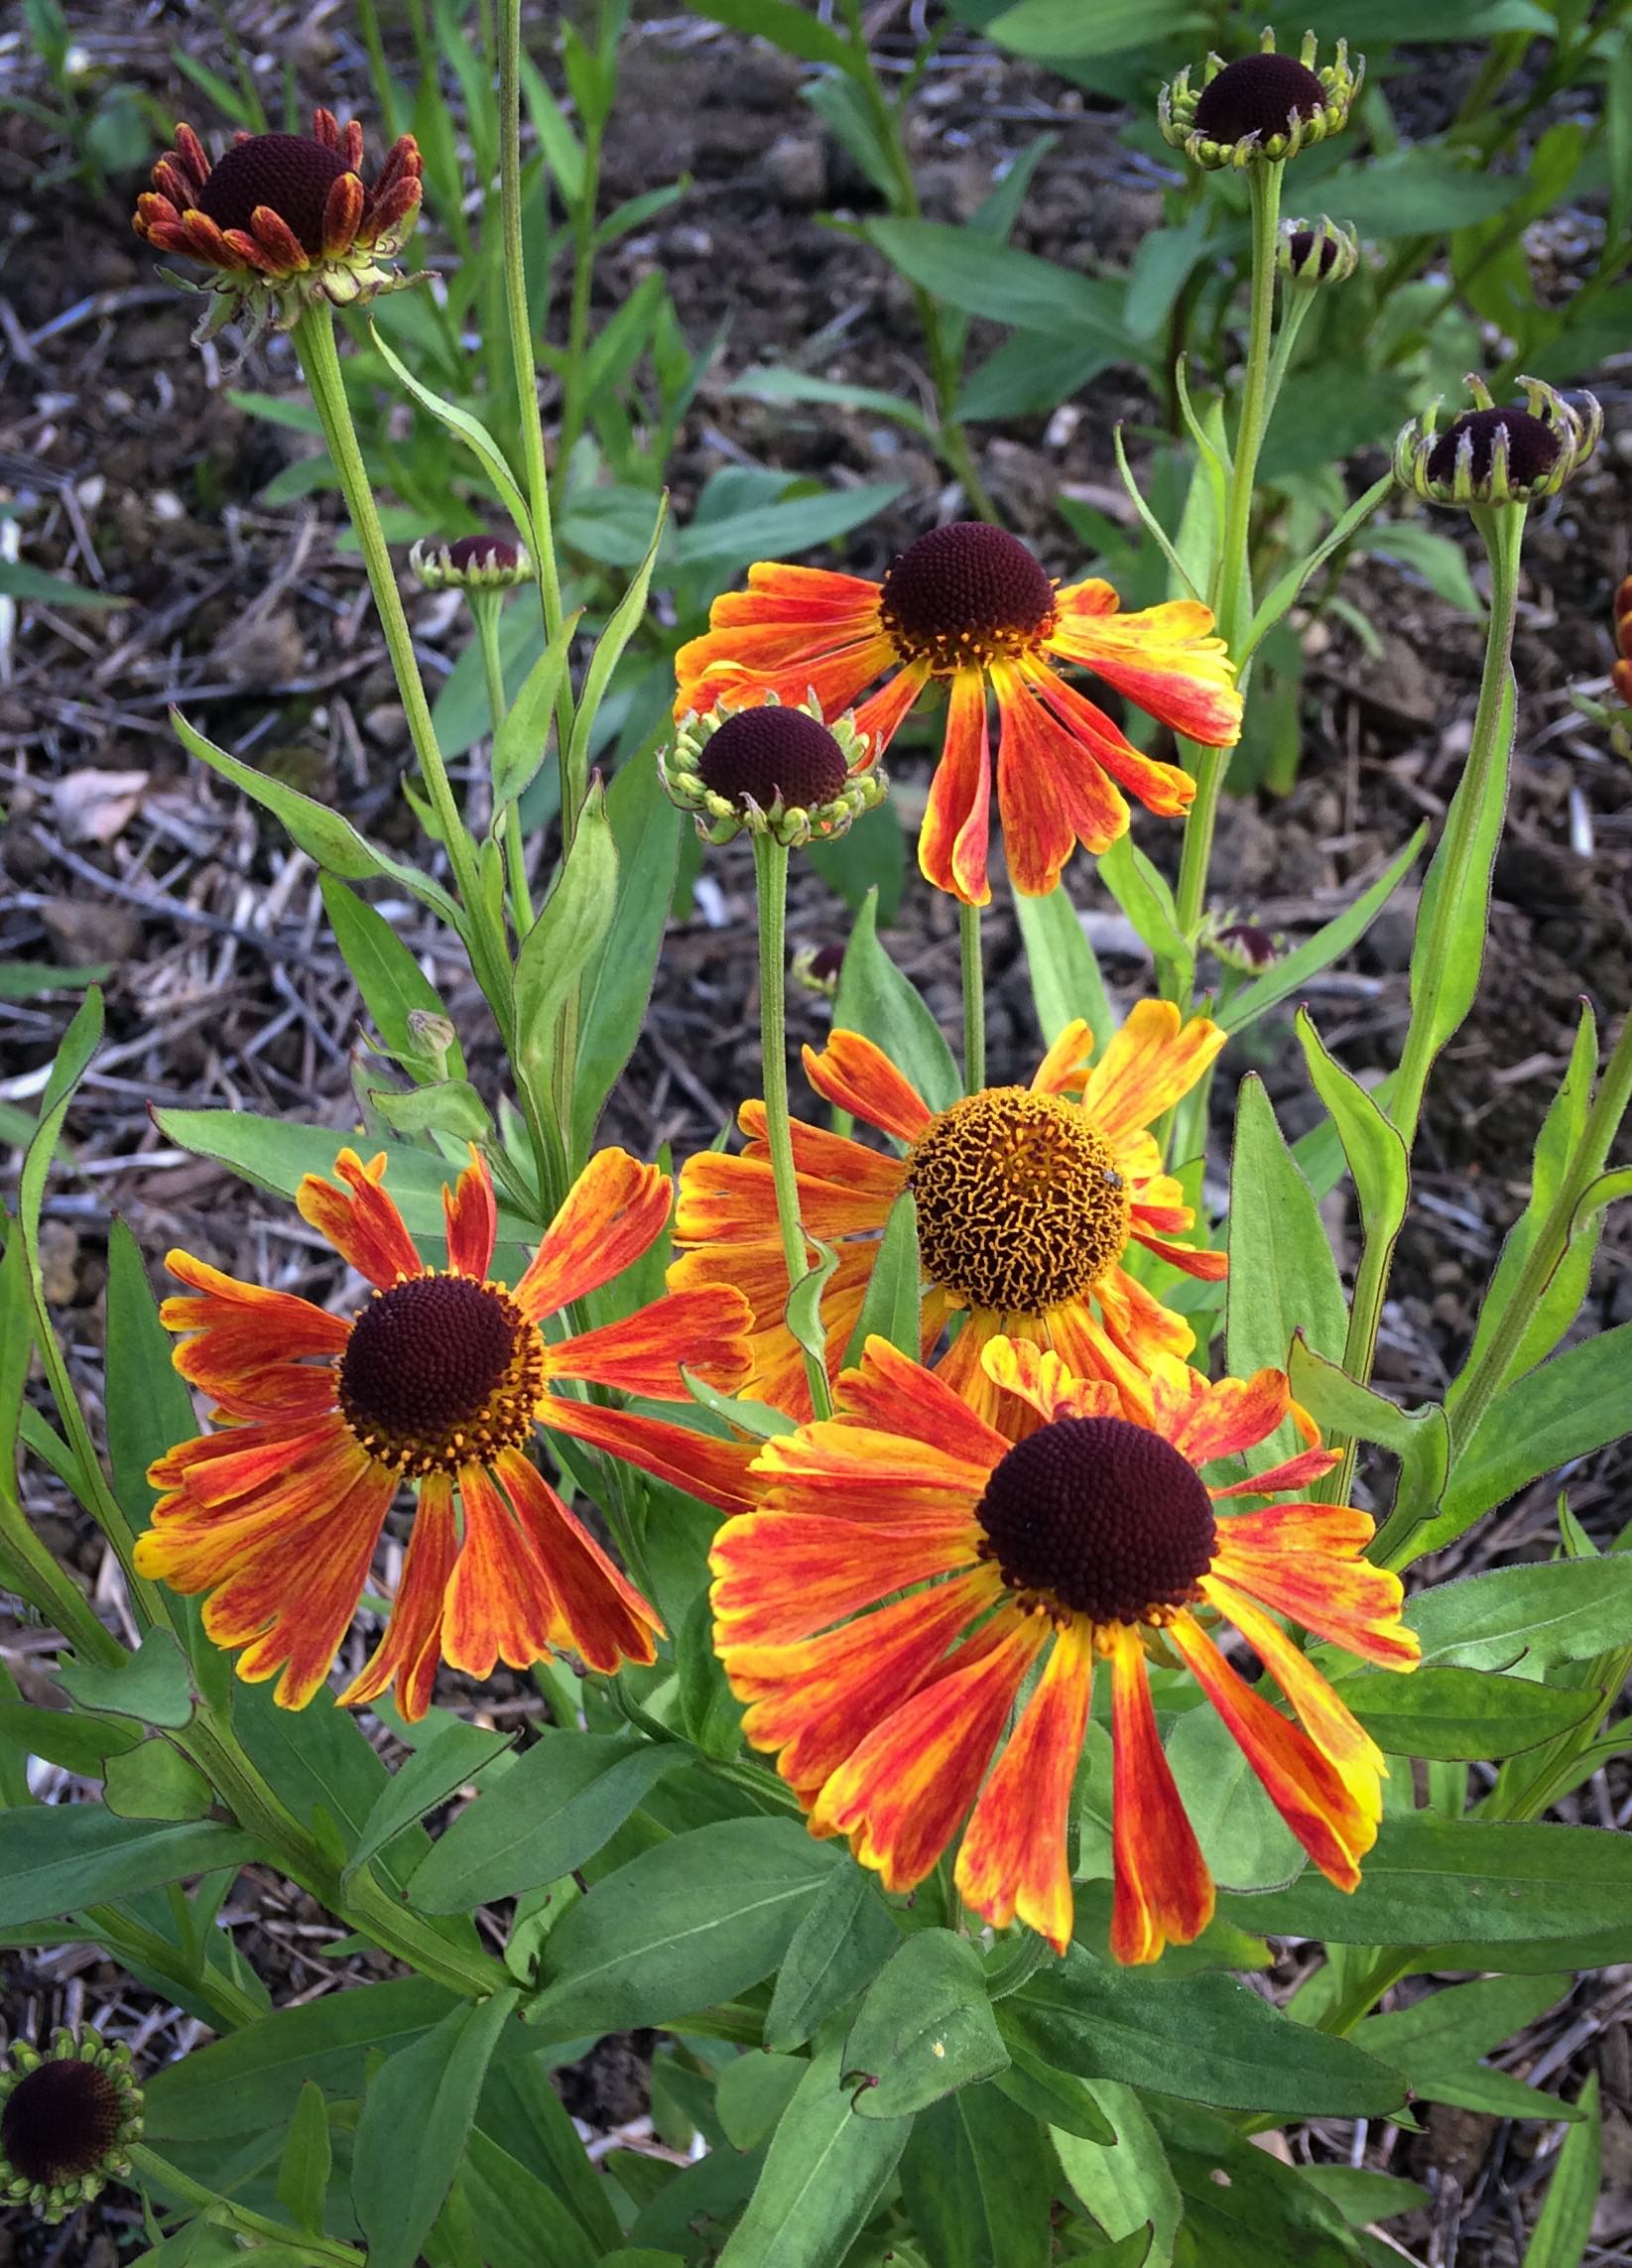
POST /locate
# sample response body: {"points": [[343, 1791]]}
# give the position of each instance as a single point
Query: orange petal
{"points": [[1138, 1322], [501, 1602], [1014, 1863], [342, 214], [1191, 1259], [776, 1362], [860, 1474], [1039, 1377], [818, 1698], [269, 230], [1066, 1066], [892, 1394], [292, 1597], [780, 1576], [472, 1219], [1146, 1065], [742, 668], [1161, 658], [1332, 1726], [614, 1211], [1231, 1416], [1296, 1473], [722, 1194], [410, 1647], [951, 844], [255, 1472], [1164, 1892], [882, 714], [599, 1613], [643, 1354], [1160, 788], [858, 1077], [1052, 790], [1089, 1351], [900, 1797], [811, 587], [1307, 1790], [1341, 1598], [701, 1465], [364, 1227], [833, 1158]]}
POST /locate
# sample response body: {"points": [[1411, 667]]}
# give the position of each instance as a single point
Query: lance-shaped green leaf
{"points": [[390, 980], [1061, 962], [1283, 1278], [1565, 2228], [924, 2029], [1527, 1618], [524, 730], [1376, 1153], [891, 1304], [566, 935], [470, 430], [426, 2094], [1562, 1410], [55, 1858], [646, 831], [1454, 915], [152, 1686], [824, 2172], [843, 1941], [976, 2177], [876, 1000], [1143, 894], [1282, 595], [1328, 943], [1420, 1438], [625, 619], [1464, 1715]]}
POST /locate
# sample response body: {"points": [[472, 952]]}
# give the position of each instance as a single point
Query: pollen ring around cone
{"points": [[440, 1371]]}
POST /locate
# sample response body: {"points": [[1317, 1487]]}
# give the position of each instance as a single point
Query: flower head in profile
{"points": [[1028, 1199], [773, 768], [437, 1380], [1495, 453], [908, 1568], [284, 219], [67, 2118], [1310, 253], [470, 563], [969, 609], [1260, 109]]}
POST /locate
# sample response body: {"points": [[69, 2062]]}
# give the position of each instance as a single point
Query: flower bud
{"points": [[772, 768], [815, 968], [1499, 456], [1261, 108], [1620, 677], [1312, 253], [1243, 946], [470, 563]]}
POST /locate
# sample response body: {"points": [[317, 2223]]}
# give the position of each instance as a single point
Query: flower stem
{"points": [[320, 359], [771, 889], [1433, 947], [226, 2212], [1234, 607], [487, 607], [974, 998]]}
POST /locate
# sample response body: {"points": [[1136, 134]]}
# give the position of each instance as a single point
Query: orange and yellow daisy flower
{"points": [[968, 604], [908, 1568], [439, 1379], [1027, 1197]]}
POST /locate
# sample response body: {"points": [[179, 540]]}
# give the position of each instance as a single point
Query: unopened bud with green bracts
{"points": [[1494, 455], [1311, 253], [67, 2118], [470, 563], [771, 769], [1261, 108]]}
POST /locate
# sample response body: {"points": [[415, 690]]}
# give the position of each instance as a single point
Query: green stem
{"points": [[133, 1944], [771, 881], [574, 401], [225, 2212], [487, 607], [1503, 532], [320, 359], [974, 999], [1235, 608]]}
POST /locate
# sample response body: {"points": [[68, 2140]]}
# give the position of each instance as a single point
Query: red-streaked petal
{"points": [[342, 215], [1089, 1349], [1234, 1414], [290, 1324], [718, 1192], [192, 154], [951, 844], [643, 1354], [1040, 1378], [1308, 1790], [326, 128], [827, 1157], [781, 1576], [614, 1211], [1052, 790], [1333, 1728], [1153, 1059], [501, 1602], [858, 1077], [758, 1271], [1013, 1863], [273, 233], [1160, 788], [1164, 1892], [816, 1700], [256, 1468], [1297, 1472], [1163, 659], [1139, 1323], [360, 1220], [472, 1219], [892, 1394], [881, 714], [742, 667], [810, 586], [601, 1614], [1346, 1599], [1198, 1260], [701, 1465], [900, 1797], [862, 1475], [410, 1647]]}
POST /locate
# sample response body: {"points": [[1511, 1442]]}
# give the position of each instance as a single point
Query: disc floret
{"points": [[284, 219], [1499, 454], [67, 2118], [470, 563], [440, 1370], [1261, 108], [772, 768]]}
